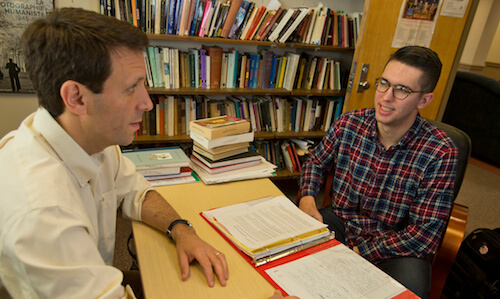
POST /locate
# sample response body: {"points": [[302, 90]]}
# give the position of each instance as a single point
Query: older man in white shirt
{"points": [[62, 175]]}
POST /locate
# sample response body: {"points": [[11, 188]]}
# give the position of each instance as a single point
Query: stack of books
{"points": [[222, 153], [162, 166]]}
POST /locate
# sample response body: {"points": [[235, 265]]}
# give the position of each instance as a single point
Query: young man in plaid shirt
{"points": [[394, 173]]}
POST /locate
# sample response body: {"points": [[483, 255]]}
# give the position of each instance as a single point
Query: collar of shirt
{"points": [[81, 165]]}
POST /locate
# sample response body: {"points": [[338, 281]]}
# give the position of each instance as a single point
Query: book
{"points": [[192, 178], [231, 17], [226, 140], [259, 228], [222, 169], [157, 157], [220, 126], [215, 157], [215, 54], [295, 24], [165, 173], [263, 170], [223, 149], [240, 17], [251, 155], [160, 171]]}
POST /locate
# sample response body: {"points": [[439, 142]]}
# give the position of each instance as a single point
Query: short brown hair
{"points": [[423, 59], [74, 44]]}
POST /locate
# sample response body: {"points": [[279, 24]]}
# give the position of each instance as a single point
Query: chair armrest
{"points": [[447, 251]]}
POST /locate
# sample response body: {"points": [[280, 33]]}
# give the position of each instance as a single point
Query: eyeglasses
{"points": [[398, 91]]}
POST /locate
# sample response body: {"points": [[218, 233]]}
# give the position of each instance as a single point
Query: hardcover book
{"points": [[157, 157], [251, 155], [222, 169], [216, 127], [226, 140], [214, 157], [215, 54]]}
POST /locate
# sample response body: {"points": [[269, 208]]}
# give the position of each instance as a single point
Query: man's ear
{"points": [[425, 100], [74, 97]]}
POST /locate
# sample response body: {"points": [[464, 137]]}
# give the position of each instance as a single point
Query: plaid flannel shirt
{"points": [[395, 202]]}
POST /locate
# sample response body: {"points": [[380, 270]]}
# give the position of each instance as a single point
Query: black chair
{"points": [[450, 244]]}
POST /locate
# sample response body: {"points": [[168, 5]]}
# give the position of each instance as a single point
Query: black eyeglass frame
{"points": [[398, 87]]}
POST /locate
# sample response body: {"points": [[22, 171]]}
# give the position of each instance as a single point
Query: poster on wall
{"points": [[15, 16], [416, 23]]}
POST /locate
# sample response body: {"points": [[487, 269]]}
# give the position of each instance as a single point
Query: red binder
{"points": [[295, 256]]}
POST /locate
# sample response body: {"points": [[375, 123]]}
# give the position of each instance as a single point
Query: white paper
{"points": [[454, 8], [337, 273], [273, 5], [269, 221], [416, 24]]}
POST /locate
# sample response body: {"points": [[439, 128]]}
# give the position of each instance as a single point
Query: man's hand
{"points": [[308, 205], [277, 295], [190, 247]]}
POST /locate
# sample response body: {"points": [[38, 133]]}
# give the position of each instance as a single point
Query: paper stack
{"points": [[222, 153], [162, 166]]}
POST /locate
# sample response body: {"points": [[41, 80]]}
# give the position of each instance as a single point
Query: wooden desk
{"points": [[158, 257]]}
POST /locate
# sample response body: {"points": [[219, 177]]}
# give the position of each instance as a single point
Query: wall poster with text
{"points": [[416, 23], [15, 16]]}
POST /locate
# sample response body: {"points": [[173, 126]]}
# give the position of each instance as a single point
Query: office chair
{"points": [[447, 251]]}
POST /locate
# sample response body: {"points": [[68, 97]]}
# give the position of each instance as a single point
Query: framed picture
{"points": [[15, 16]]}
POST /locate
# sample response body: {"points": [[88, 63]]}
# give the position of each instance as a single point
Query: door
{"points": [[380, 18]]}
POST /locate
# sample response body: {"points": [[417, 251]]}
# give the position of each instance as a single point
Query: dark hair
{"points": [[74, 44], [423, 59]]}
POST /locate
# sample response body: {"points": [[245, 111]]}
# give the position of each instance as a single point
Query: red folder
{"points": [[262, 268]]}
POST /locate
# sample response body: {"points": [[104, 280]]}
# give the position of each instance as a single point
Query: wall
{"points": [[15, 107], [494, 53], [481, 40]]}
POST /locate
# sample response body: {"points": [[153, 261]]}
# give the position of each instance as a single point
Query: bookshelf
{"points": [[341, 54]]}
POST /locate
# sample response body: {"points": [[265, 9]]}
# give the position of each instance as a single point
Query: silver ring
{"points": [[217, 254]]}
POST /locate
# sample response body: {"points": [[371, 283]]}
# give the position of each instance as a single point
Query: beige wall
{"points": [[15, 107], [494, 53], [481, 36]]}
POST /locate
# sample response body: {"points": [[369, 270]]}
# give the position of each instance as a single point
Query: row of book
{"points": [[221, 151], [212, 67], [171, 115], [239, 19], [285, 154]]}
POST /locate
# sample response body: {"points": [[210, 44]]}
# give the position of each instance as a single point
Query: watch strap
{"points": [[174, 223]]}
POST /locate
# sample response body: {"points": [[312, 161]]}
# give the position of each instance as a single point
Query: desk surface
{"points": [[158, 257]]}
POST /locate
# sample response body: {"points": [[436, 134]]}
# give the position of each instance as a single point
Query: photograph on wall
{"points": [[15, 16], [416, 23]]}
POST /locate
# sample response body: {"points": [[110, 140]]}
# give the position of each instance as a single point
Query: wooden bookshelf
{"points": [[184, 138], [246, 91], [217, 40], [175, 41], [220, 91]]}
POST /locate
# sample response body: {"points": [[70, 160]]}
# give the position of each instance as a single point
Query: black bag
{"points": [[476, 271]]}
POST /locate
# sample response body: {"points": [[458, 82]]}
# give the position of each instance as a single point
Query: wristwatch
{"points": [[174, 223]]}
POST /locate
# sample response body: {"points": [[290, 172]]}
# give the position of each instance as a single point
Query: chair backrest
{"points": [[463, 143]]}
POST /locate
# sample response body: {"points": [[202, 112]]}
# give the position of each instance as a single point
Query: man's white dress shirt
{"points": [[58, 212]]}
